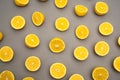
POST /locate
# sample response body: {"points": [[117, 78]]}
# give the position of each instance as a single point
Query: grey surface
{"points": [[47, 31]]}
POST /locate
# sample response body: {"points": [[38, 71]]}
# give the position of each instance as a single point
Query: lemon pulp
{"points": [[1, 36], [76, 77], [28, 78], [61, 3], [116, 64], [21, 2], [119, 41]]}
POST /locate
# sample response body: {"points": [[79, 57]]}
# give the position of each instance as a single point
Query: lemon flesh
{"points": [[76, 77], [28, 78], [1, 36], [21, 2], [61, 3], [116, 63]]}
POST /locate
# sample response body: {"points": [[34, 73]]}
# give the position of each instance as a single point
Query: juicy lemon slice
{"points": [[28, 78], [76, 77], [61, 3], [6, 53], [7, 75], [57, 45], [32, 40], [81, 53], [106, 28], [62, 24], [38, 18], [17, 22], [100, 73], [119, 41], [32, 63], [57, 70], [21, 2], [1, 36], [82, 32], [80, 10], [101, 8], [102, 48], [116, 63]]}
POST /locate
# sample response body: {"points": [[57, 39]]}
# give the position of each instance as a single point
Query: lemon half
{"points": [[21, 2], [76, 77], [61, 3], [28, 78], [116, 63], [1, 36]]}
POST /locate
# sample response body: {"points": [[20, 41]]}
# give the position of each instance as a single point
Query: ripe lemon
{"points": [[119, 41], [62, 24], [57, 70], [61, 3], [1, 36], [81, 10], [38, 18], [81, 53], [76, 77], [116, 63], [32, 63], [28, 78], [6, 54], [21, 2], [100, 73]]}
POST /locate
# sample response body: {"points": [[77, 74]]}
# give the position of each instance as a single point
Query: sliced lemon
{"points": [[32, 63], [61, 3], [76, 77], [81, 10], [57, 45], [101, 8], [119, 41], [106, 28], [102, 48], [1, 36], [6, 53], [7, 75], [32, 40], [82, 32], [18, 22], [62, 24], [81, 53], [38, 18], [21, 2], [57, 70], [28, 78], [116, 63], [100, 73]]}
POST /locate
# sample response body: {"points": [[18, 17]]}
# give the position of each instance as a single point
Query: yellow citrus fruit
{"points": [[32, 40], [101, 8], [81, 53], [1, 36], [80, 10], [6, 53], [100, 73], [119, 41], [28, 78], [116, 63], [7, 75], [61, 3], [76, 77], [32, 63], [82, 32], [57, 70], [57, 45], [62, 24], [38, 18], [102, 48], [18, 22], [21, 2], [106, 28]]}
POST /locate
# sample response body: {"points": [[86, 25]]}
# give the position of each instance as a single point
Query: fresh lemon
{"points": [[119, 41], [80, 10], [102, 48], [100, 73], [32, 40], [28, 78], [57, 45], [57, 70], [38, 18], [82, 32], [106, 28], [21, 2], [1, 36], [116, 63], [61, 3], [6, 53], [32, 63], [62, 24], [101, 8], [18, 22], [76, 77], [7, 75], [81, 53]]}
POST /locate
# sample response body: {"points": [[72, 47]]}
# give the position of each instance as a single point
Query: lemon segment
{"points": [[76, 77], [57, 70], [119, 41], [106, 28], [17, 22], [32, 40], [38, 18], [116, 63], [61, 3], [32, 63], [100, 73], [6, 54], [62, 24], [7, 75], [101, 8], [81, 53], [21, 2], [102, 48], [1, 36], [80, 10], [28, 78]]}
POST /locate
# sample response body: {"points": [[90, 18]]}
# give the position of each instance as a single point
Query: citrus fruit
{"points": [[21, 2], [76, 77], [119, 41], [1, 36], [116, 63], [28, 78], [61, 3]]}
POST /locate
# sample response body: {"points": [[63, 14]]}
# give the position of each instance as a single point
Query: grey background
{"points": [[47, 31]]}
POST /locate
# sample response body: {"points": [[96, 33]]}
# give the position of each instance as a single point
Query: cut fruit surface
{"points": [[116, 63], [61, 3], [28, 78], [1, 36], [76, 77], [21, 2], [119, 41]]}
